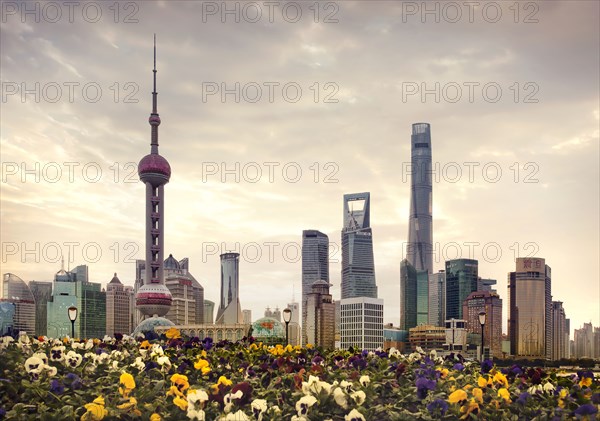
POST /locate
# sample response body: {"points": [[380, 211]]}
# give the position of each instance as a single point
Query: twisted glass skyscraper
{"points": [[358, 266], [419, 252]]}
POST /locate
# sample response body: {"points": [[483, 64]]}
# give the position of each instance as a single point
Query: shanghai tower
{"points": [[419, 252], [154, 298]]}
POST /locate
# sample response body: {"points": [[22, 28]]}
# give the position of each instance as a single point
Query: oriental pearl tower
{"points": [[154, 298]]}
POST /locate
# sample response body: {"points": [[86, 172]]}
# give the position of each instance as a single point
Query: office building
{"points": [[560, 333], [315, 264], [320, 316], [427, 337], [42, 293], [358, 265], [247, 316], [419, 252], [14, 291], [486, 284], [437, 298], [414, 296], [461, 280], [361, 323], [490, 303], [530, 309], [209, 311], [119, 312]]}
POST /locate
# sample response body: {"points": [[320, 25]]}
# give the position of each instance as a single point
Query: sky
{"points": [[272, 111]]}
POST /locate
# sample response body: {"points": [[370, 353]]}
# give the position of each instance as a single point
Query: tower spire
{"points": [[154, 118]]}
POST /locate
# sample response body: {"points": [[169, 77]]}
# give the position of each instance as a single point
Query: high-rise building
{"points": [[294, 331], [560, 333], [320, 316], [530, 309], [358, 265], [153, 297], [486, 284], [13, 290], [584, 343], [461, 280], [42, 293], [414, 296], [247, 317], [187, 306], [118, 308], [315, 264], [490, 303], [420, 232], [361, 323], [230, 310], [73, 288], [437, 298], [209, 311], [273, 314]]}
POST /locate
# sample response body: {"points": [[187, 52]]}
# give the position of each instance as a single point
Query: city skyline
{"points": [[362, 142]]}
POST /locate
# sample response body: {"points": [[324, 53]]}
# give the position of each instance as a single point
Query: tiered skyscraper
{"points": [[154, 298], [315, 267], [358, 265], [419, 252]]}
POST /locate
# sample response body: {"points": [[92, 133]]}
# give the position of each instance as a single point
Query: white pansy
{"points": [[42, 357], [238, 416], [229, 398], [340, 397], [537, 388], [73, 359], [354, 415], [549, 387], [34, 365], [138, 363], [304, 404], [194, 414], [364, 380], [359, 397]]}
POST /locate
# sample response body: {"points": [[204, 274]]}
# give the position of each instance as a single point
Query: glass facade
{"points": [[408, 295], [420, 231], [491, 304], [461, 280], [15, 291], [42, 292], [437, 298], [358, 265], [230, 310]]}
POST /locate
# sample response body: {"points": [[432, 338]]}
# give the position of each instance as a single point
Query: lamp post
{"points": [[72, 311], [287, 316], [482, 323]]}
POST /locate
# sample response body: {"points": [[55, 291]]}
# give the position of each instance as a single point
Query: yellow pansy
{"points": [[224, 381], [457, 396], [443, 372], [469, 407], [180, 383], [145, 345], [203, 366], [504, 394], [173, 333], [482, 382], [155, 417], [181, 403], [585, 382], [500, 378], [478, 394], [127, 380], [95, 410]]}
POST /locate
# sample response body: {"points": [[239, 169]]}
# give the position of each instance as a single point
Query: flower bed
{"points": [[187, 378]]}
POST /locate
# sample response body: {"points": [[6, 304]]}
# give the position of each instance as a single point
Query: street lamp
{"points": [[287, 316], [482, 323], [72, 317]]}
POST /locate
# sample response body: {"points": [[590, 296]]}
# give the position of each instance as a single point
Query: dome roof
{"points": [[268, 327], [115, 280], [171, 263], [149, 324], [14, 289], [154, 163]]}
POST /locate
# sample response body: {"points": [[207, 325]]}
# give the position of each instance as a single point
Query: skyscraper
{"points": [[118, 311], [187, 307], [15, 291], [320, 316], [315, 265], [414, 296], [560, 334], [358, 266], [420, 232], [437, 298], [361, 324], [230, 310], [461, 280], [153, 298], [42, 293], [530, 308], [490, 303]]}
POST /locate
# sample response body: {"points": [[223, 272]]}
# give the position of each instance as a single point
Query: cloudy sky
{"points": [[272, 111]]}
